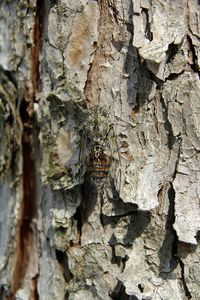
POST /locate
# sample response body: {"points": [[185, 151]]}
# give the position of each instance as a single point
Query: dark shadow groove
{"points": [[62, 258], [168, 251], [119, 293], [89, 199]]}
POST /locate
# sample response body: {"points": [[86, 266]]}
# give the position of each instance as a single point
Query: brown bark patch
{"points": [[79, 38]]}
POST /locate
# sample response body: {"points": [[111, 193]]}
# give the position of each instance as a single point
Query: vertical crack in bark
{"points": [[167, 124], [170, 221], [28, 208], [35, 294], [169, 226], [194, 57], [26, 230], [78, 218], [174, 246], [148, 32], [187, 292], [179, 139], [62, 258], [168, 258], [171, 211]]}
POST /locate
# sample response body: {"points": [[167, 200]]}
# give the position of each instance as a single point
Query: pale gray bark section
{"points": [[136, 237]]}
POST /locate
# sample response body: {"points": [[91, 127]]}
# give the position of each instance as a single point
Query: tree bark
{"points": [[123, 76]]}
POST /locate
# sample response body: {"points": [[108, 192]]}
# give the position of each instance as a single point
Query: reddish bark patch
{"points": [[25, 232], [28, 207], [103, 51], [35, 294], [81, 33], [37, 36]]}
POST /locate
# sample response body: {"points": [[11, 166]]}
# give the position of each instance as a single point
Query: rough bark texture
{"points": [[68, 65]]}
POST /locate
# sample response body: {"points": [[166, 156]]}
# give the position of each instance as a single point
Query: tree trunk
{"points": [[100, 149]]}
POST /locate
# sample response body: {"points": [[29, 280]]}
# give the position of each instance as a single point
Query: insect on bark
{"points": [[103, 157], [90, 148]]}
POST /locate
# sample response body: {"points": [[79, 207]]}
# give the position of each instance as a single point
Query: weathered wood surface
{"points": [[136, 237]]}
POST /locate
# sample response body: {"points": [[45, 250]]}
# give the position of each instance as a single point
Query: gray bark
{"points": [[132, 68]]}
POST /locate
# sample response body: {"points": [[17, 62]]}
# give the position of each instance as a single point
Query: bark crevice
{"points": [[194, 58], [26, 232], [186, 289]]}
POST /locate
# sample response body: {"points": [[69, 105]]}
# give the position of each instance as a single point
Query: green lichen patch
{"points": [[61, 119]]}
